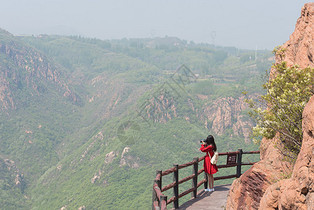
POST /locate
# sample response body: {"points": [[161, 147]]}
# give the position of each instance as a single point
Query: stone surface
{"points": [[246, 191], [300, 47], [298, 191], [12, 175], [225, 113], [128, 159], [109, 157], [218, 115]]}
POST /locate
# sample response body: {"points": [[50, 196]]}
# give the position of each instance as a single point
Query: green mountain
{"points": [[86, 122]]}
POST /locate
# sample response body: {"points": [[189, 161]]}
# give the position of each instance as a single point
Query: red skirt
{"points": [[208, 167]]}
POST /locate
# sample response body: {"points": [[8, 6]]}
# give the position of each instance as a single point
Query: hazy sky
{"points": [[244, 23]]}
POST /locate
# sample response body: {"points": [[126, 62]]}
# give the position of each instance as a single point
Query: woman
{"points": [[209, 146]]}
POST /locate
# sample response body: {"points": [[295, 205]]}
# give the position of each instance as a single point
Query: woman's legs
{"points": [[210, 181]]}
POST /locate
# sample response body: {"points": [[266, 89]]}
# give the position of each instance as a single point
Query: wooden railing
{"points": [[160, 201]]}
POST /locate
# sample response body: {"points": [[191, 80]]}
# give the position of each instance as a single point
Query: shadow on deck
{"points": [[209, 200]]}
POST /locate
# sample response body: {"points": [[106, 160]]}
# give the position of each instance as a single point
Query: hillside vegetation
{"points": [[90, 121]]}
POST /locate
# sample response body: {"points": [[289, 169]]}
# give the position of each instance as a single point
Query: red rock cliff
{"points": [[298, 191], [264, 186]]}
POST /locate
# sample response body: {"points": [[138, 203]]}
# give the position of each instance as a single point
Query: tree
{"points": [[279, 111]]}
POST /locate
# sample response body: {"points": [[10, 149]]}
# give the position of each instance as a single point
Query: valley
{"points": [[87, 122]]}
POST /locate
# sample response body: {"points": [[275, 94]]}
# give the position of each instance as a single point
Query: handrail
{"points": [[160, 200]]}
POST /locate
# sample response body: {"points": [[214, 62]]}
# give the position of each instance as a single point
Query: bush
{"points": [[279, 111]]}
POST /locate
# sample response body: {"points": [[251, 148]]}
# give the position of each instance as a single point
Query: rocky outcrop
{"points": [[242, 127], [265, 185], [298, 191], [226, 113], [11, 175], [160, 108], [96, 176], [109, 157], [128, 160], [218, 115], [99, 136], [24, 68], [300, 47], [247, 191]]}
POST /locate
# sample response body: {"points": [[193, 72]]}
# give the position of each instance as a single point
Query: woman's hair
{"points": [[211, 141]]}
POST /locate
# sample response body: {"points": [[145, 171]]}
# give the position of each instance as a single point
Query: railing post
{"points": [[195, 171], [158, 182], [176, 187], [239, 162], [163, 198], [154, 196]]}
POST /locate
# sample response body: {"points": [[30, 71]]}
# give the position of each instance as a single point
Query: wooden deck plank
{"points": [[209, 200]]}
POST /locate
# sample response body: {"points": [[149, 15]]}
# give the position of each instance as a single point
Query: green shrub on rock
{"points": [[279, 111]]}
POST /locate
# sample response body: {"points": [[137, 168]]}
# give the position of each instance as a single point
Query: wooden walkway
{"points": [[209, 200]]}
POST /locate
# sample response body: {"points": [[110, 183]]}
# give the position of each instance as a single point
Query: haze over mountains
{"points": [[86, 122], [246, 24]]}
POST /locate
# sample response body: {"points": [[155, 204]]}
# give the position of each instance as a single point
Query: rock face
{"points": [[218, 116], [225, 113], [109, 157], [298, 191], [300, 47], [129, 160], [12, 176], [161, 107], [247, 191], [24, 68], [265, 186]]}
